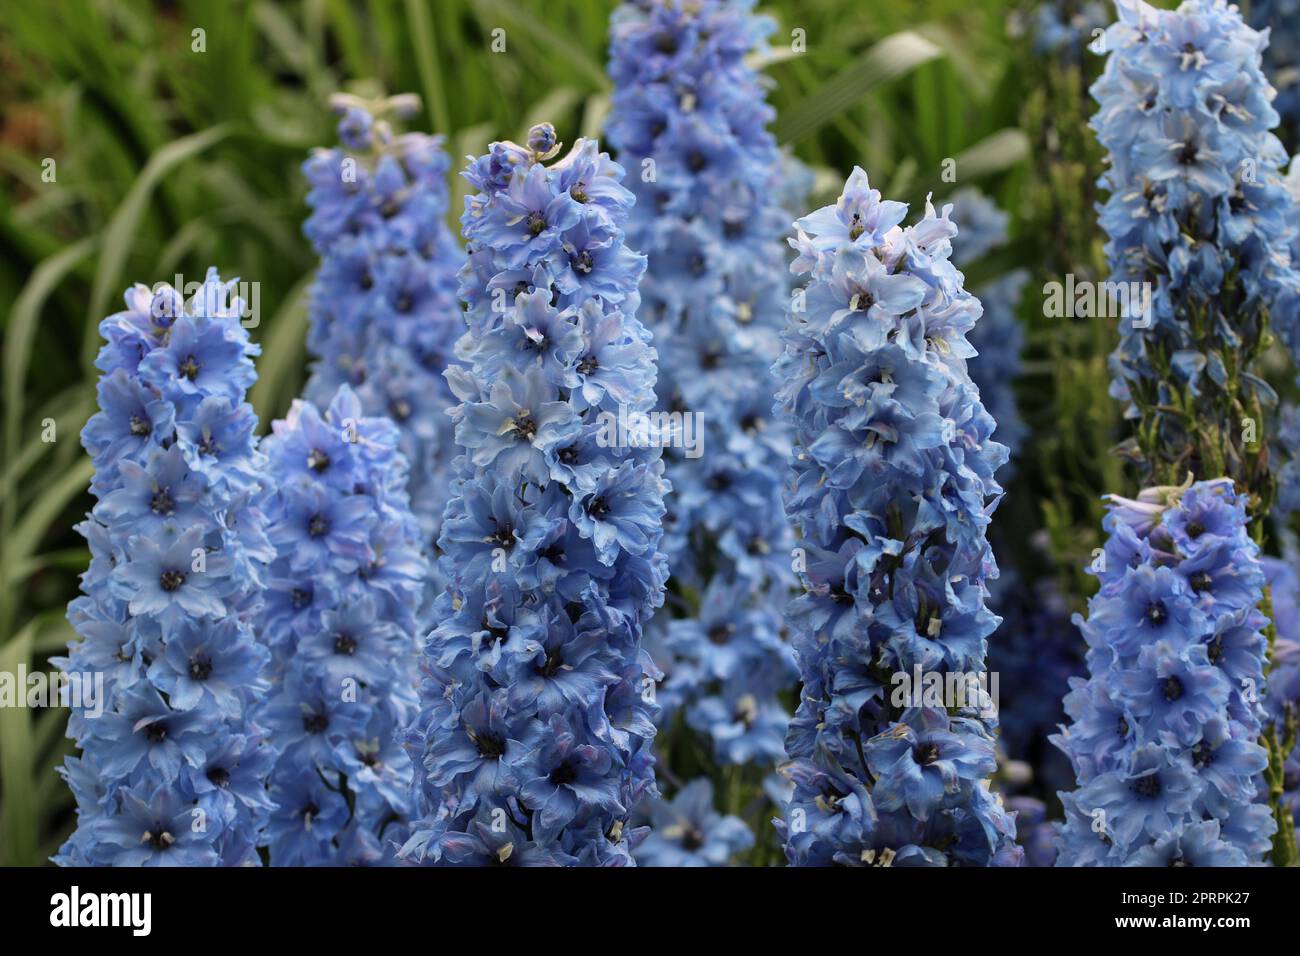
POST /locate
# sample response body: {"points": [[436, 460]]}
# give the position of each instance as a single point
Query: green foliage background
{"points": [[168, 160]]}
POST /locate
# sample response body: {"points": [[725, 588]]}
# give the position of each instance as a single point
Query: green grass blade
{"points": [[892, 57]]}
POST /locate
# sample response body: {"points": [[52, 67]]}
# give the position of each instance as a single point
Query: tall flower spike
{"points": [[533, 742], [342, 599], [1200, 228], [172, 770], [1163, 732], [1200, 215], [891, 488], [384, 314], [688, 117]]}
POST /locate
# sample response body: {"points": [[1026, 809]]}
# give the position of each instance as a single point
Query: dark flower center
{"points": [[563, 774], [692, 840], [927, 753], [318, 525], [1156, 613], [536, 223], [219, 777], [200, 668], [666, 43], [1187, 154], [578, 191], [525, 426], [190, 368], [1147, 786], [1195, 529], [1172, 687], [404, 303], [490, 744], [696, 161], [140, 427], [158, 838], [156, 732], [554, 661], [583, 262], [720, 633], [367, 281], [1201, 581], [400, 409], [317, 460], [344, 643], [314, 723], [598, 508], [171, 581], [299, 598], [161, 503]]}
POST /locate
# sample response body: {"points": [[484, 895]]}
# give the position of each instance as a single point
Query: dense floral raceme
{"points": [[688, 119], [340, 619], [533, 741], [997, 337], [1163, 733], [384, 314], [892, 487], [1199, 218], [172, 769]]}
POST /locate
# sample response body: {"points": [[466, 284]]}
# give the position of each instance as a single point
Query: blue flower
{"points": [[689, 117], [687, 831], [1200, 227], [178, 553], [891, 486], [348, 569], [1163, 732], [383, 312], [532, 742]]}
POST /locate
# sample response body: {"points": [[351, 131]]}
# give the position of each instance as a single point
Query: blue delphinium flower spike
{"points": [[533, 741], [342, 599], [891, 488], [1200, 228], [172, 770], [688, 118], [384, 314], [1282, 20], [1163, 733]]}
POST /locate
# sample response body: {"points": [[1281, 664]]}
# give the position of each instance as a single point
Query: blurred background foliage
{"points": [[170, 155]]}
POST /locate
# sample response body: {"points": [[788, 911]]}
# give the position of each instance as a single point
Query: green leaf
{"points": [[426, 60], [892, 57], [21, 331], [47, 507], [18, 810]]}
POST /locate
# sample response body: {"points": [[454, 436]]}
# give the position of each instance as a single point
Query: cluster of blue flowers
{"points": [[384, 313], [173, 771], [340, 618], [1199, 213], [892, 487], [689, 118], [998, 336], [534, 739], [1163, 733]]}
